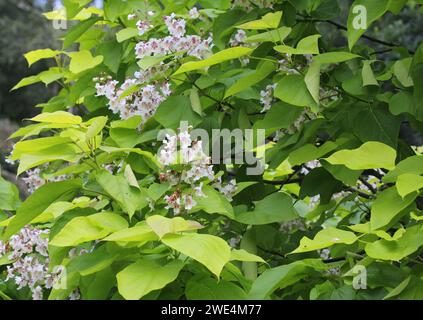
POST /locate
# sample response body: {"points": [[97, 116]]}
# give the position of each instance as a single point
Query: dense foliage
{"points": [[119, 210]]}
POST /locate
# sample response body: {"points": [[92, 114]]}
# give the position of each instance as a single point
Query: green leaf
{"points": [[275, 36], [270, 20], [334, 57], [112, 54], [398, 289], [129, 198], [247, 82], [213, 252], [23, 147], [114, 9], [73, 7], [50, 75], [280, 116], [59, 117], [373, 10], [282, 277], [320, 182], [397, 250], [387, 206], [242, 255], [145, 276], [213, 202], [34, 152], [39, 201], [126, 34], [88, 228], [97, 124], [37, 55], [46, 77], [374, 123], [402, 102], [324, 239], [369, 78], [140, 233], [310, 152], [212, 289], [412, 165], [293, 90], [77, 31], [26, 82], [126, 135], [312, 78], [221, 56], [163, 226], [408, 183], [403, 72], [370, 155], [277, 207], [195, 101], [83, 60], [307, 45], [9, 195], [171, 117], [150, 61]]}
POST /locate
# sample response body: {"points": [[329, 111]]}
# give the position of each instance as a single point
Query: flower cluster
{"points": [[143, 26], [238, 38], [296, 126], [151, 93], [193, 13], [297, 224], [266, 97], [143, 102], [180, 149], [175, 26], [191, 44], [34, 179], [307, 167], [228, 189], [28, 251], [286, 65], [175, 43]]}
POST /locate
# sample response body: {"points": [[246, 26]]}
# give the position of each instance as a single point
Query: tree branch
{"points": [[342, 27]]}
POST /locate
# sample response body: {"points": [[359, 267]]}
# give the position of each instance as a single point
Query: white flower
{"points": [[310, 166], [238, 38], [175, 26], [143, 27], [266, 97], [181, 149], [199, 190], [75, 295], [132, 16], [143, 102], [193, 13], [189, 202], [228, 190]]}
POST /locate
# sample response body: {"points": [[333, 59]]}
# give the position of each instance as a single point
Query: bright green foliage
{"points": [[340, 186]]}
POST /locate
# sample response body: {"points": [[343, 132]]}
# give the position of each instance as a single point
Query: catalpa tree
{"points": [[219, 150]]}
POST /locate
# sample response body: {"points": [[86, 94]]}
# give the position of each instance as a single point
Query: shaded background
{"points": [[23, 28]]}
